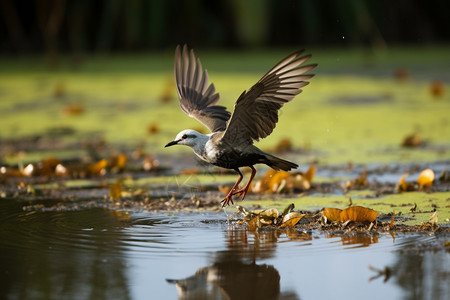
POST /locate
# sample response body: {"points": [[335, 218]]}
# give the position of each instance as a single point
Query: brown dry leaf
{"points": [[392, 221], [277, 180], [403, 186], [192, 171], [28, 171], [284, 145], [46, 167], [73, 109], [225, 189], [413, 140], [153, 128], [291, 219], [437, 89], [118, 162], [97, 168], [290, 222], [332, 214], [7, 172], [359, 181], [115, 191], [358, 214], [426, 179], [253, 224], [309, 175]]}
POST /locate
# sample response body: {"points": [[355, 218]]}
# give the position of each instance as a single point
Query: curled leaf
{"points": [[115, 191], [358, 214], [392, 221], [332, 214], [425, 179], [354, 213]]}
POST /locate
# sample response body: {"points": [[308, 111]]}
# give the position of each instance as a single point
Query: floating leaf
{"points": [[332, 214], [358, 214], [284, 145], [437, 89], [117, 163], [115, 191], [73, 109], [426, 179], [309, 175], [413, 140], [153, 128], [291, 222], [97, 168], [354, 213], [403, 186], [392, 221], [359, 181]]}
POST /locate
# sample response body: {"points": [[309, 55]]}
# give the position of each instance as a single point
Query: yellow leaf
{"points": [[115, 191], [97, 168], [291, 219], [392, 221], [426, 178]]}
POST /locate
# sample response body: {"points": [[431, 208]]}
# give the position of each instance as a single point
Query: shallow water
{"points": [[100, 254]]}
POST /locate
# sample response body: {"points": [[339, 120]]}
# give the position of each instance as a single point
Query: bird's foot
{"points": [[226, 201], [242, 191]]}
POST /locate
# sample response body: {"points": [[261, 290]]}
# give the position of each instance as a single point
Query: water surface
{"points": [[101, 254]]}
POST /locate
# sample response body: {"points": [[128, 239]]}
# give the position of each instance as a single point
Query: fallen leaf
{"points": [[309, 175], [153, 128], [291, 222], [359, 181], [358, 214], [332, 214], [434, 218], [284, 145], [403, 186], [115, 191], [74, 109], [426, 179], [413, 140], [97, 168], [392, 221], [117, 162], [354, 213], [437, 89]]}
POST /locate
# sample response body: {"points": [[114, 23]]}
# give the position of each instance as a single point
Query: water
{"points": [[100, 254]]}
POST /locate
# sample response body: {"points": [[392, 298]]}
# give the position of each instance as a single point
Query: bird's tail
{"points": [[278, 163]]}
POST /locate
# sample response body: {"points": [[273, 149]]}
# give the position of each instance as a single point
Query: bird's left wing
{"points": [[256, 110], [197, 99]]}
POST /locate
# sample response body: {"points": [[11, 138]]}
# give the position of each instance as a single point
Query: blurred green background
{"points": [[73, 71]]}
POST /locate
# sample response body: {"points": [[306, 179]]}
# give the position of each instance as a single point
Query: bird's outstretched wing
{"points": [[197, 99], [256, 110]]}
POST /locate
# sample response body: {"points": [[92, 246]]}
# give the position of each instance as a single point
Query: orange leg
{"points": [[245, 189], [229, 198]]}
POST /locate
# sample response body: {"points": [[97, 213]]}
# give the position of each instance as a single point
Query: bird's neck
{"points": [[199, 147]]}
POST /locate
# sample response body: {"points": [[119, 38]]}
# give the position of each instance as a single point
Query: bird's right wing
{"points": [[197, 99]]}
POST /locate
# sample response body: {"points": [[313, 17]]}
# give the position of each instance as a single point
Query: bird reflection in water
{"points": [[235, 273]]}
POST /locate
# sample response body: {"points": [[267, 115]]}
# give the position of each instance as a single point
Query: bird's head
{"points": [[189, 138]]}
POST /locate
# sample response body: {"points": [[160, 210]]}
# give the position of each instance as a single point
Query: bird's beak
{"points": [[171, 144]]}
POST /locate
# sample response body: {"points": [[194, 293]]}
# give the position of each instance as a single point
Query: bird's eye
{"points": [[184, 136]]}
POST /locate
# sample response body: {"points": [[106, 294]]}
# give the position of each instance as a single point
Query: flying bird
{"points": [[230, 143]]}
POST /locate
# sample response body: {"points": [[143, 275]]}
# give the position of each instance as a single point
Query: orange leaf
{"points": [[309, 175], [426, 178], [358, 214], [276, 180], [292, 221], [97, 168], [332, 214], [392, 221]]}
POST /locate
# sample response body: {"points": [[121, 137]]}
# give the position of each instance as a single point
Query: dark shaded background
{"points": [[86, 26]]}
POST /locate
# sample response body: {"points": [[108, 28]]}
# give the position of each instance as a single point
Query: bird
{"points": [[230, 144]]}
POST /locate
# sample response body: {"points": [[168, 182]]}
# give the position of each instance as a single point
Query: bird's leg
{"points": [[244, 190], [229, 198]]}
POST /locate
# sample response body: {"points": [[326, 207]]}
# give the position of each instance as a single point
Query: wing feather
{"points": [[256, 111], [197, 98]]}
